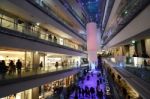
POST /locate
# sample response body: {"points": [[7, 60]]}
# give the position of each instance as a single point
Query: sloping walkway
{"points": [[92, 82]]}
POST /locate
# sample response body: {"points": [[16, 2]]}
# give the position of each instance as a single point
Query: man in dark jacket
{"points": [[19, 66]]}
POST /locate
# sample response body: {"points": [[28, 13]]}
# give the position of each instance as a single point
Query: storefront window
{"points": [[29, 59], [42, 36], [12, 55], [131, 50], [20, 27], [50, 61], [28, 94], [7, 24], [21, 95]]}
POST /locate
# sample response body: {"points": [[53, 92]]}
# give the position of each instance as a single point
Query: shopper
{"points": [[12, 67], [41, 65], [76, 95], [88, 77], [92, 91], [92, 74], [101, 94], [79, 90], [62, 64], [55, 39], [83, 92], [19, 66], [50, 37], [56, 65], [3, 68], [98, 82]]}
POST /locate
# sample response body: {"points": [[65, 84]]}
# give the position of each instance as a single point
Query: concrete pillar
{"points": [[92, 43], [35, 93], [36, 59]]}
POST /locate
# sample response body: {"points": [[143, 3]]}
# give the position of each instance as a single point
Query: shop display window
{"points": [[42, 36], [20, 27], [131, 50], [29, 59], [12, 55], [27, 94], [7, 24]]}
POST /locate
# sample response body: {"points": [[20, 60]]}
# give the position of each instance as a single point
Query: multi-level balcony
{"points": [[29, 78], [32, 32], [131, 72]]}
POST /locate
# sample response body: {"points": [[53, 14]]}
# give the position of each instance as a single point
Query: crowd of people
{"points": [[83, 91], [11, 68]]}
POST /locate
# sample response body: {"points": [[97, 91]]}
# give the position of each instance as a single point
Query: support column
{"points": [[92, 43], [36, 59], [35, 93]]}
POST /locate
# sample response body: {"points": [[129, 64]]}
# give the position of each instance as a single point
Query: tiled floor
{"points": [[91, 83]]}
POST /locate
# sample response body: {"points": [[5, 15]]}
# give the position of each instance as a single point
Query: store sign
{"points": [[53, 60]]}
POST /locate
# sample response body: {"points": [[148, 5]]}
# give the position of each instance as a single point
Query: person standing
{"points": [[76, 95], [12, 67], [19, 66], [56, 65], [3, 68], [62, 64], [41, 65], [83, 92], [79, 90]]}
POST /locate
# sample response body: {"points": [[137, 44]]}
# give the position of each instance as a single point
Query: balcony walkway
{"points": [[6, 78], [140, 85]]}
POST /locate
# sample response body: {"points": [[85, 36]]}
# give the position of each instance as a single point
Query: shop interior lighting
{"points": [[133, 41], [37, 23], [126, 12]]}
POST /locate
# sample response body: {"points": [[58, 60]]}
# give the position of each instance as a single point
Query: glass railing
{"points": [[39, 33], [138, 66], [8, 75]]}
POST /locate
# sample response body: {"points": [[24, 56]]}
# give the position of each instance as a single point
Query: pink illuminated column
{"points": [[92, 43]]}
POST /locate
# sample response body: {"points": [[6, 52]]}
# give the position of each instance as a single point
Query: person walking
{"points": [[98, 82], [76, 95], [79, 90], [19, 66], [83, 91], [3, 68], [101, 94], [92, 91]]}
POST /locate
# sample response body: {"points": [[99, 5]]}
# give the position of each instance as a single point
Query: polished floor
{"points": [[92, 82]]}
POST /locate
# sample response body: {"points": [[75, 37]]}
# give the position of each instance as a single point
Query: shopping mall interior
{"points": [[74, 49]]}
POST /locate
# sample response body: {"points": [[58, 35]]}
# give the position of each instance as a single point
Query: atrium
{"points": [[74, 49]]}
